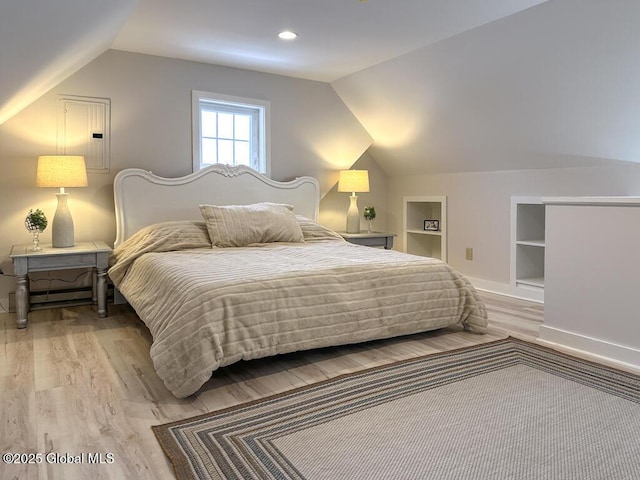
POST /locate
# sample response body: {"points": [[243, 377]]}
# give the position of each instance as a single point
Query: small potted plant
{"points": [[36, 222], [369, 215]]}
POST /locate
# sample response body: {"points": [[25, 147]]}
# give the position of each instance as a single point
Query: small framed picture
{"points": [[432, 225]]}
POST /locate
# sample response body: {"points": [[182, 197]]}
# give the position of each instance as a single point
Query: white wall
{"points": [[591, 276], [543, 102], [334, 205], [479, 207], [312, 133]]}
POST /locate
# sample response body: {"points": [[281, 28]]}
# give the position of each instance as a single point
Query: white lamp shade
{"points": [[61, 171], [353, 181]]}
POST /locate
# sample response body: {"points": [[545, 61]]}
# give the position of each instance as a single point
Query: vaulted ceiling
{"points": [[43, 42], [555, 86], [440, 85], [336, 37]]}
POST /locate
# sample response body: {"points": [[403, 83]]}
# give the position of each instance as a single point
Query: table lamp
{"points": [[353, 181], [62, 171]]}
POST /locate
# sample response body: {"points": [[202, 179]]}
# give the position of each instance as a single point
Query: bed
{"points": [[226, 265]]}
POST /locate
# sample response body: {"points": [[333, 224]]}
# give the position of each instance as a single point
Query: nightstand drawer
{"points": [[62, 262]]}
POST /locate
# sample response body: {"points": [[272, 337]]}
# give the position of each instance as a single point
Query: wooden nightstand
{"points": [[373, 239], [82, 255]]}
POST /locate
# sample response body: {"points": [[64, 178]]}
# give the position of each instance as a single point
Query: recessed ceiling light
{"points": [[287, 35]]}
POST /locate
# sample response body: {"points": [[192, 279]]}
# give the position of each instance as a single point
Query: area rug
{"points": [[507, 409]]}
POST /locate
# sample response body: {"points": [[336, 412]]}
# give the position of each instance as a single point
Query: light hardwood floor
{"points": [[72, 383]]}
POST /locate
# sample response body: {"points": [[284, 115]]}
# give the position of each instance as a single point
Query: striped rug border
{"points": [[240, 457]]}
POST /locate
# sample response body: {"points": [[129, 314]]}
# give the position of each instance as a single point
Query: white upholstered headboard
{"points": [[142, 198]]}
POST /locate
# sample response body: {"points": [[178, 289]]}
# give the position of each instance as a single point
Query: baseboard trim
{"points": [[599, 349], [611, 351], [523, 293]]}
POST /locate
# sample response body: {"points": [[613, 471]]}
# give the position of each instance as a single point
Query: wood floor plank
{"points": [[72, 383]]}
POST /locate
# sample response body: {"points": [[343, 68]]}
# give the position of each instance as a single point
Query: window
{"points": [[230, 130]]}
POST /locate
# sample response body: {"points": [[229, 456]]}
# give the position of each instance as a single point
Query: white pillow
{"points": [[242, 225], [314, 232]]}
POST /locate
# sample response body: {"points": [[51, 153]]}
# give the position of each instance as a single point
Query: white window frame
{"points": [[201, 98]]}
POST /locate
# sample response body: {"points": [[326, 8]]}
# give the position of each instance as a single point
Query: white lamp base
{"points": [[62, 227], [353, 215]]}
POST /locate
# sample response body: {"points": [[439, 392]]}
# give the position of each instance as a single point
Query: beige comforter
{"points": [[210, 307]]}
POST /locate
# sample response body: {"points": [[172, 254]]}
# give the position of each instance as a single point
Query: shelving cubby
{"points": [[528, 245], [418, 241]]}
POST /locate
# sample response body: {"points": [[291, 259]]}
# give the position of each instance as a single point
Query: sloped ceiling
{"points": [[491, 85], [336, 37], [43, 42], [554, 86]]}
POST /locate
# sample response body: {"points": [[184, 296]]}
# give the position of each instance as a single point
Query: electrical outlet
{"points": [[469, 254]]}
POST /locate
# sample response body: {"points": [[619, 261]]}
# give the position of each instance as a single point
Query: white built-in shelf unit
{"points": [[528, 246], [415, 239]]}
